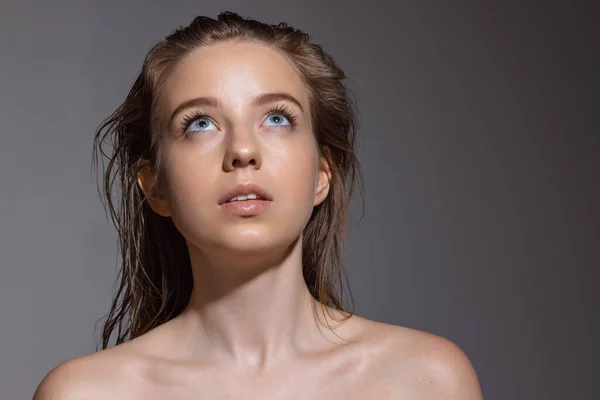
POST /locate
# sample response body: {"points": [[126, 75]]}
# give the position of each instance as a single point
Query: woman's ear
{"points": [[323, 178], [154, 195]]}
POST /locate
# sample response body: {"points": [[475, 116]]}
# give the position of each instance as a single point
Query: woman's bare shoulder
{"points": [[101, 375], [426, 363]]}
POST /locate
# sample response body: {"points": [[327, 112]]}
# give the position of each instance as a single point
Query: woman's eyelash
{"points": [[286, 112], [282, 109], [189, 118]]}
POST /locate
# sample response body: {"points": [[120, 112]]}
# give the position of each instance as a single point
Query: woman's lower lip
{"points": [[246, 208]]}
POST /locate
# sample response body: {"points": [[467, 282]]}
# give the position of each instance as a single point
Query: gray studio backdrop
{"points": [[481, 153]]}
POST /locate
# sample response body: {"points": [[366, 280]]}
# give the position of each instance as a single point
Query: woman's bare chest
{"points": [[346, 380]]}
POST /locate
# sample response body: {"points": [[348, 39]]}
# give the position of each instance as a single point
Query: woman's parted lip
{"points": [[246, 188]]}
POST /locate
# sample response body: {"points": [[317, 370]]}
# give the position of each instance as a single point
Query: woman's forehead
{"points": [[233, 72]]}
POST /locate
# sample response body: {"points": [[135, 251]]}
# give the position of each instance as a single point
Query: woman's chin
{"points": [[255, 243]]}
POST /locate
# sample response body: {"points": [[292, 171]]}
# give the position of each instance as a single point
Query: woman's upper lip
{"points": [[243, 189]]}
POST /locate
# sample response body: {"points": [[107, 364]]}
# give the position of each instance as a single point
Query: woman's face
{"points": [[247, 120]]}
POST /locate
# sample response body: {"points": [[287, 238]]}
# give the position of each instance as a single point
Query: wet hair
{"points": [[151, 290]]}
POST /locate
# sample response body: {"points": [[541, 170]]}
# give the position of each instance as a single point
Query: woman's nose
{"points": [[242, 150]]}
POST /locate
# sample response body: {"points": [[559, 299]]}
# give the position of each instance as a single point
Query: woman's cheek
{"points": [[299, 181], [188, 193]]}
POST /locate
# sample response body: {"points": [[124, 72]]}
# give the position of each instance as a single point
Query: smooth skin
{"points": [[249, 330]]}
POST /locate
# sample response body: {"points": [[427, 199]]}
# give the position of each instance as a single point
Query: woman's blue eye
{"points": [[192, 124], [202, 123], [278, 119]]}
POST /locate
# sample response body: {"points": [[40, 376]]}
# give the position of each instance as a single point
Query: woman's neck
{"points": [[253, 311]]}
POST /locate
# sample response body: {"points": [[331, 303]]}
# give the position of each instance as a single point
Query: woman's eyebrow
{"points": [[271, 97], [259, 100]]}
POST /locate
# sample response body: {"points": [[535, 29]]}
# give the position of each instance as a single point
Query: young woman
{"points": [[235, 155]]}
